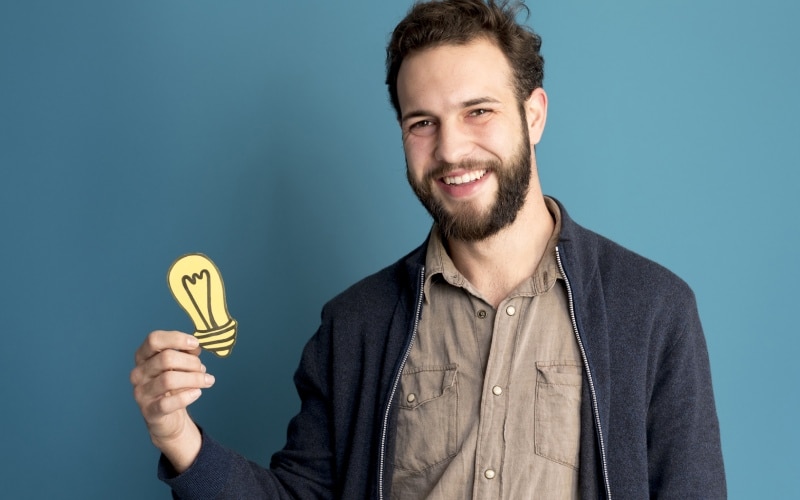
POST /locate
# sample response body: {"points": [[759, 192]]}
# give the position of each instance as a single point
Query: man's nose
{"points": [[453, 143]]}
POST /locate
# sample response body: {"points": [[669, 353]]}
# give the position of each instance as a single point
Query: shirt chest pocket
{"points": [[558, 407], [426, 420]]}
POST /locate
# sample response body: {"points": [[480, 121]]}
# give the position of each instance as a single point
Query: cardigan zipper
{"points": [[595, 406], [396, 382]]}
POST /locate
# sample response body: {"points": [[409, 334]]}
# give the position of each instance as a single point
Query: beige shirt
{"points": [[490, 399]]}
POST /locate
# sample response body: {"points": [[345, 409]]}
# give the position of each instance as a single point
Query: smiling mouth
{"points": [[463, 179]]}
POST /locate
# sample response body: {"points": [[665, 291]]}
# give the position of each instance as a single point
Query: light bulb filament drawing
{"points": [[197, 285], [195, 291]]}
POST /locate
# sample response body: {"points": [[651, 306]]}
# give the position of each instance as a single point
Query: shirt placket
{"points": [[490, 452]]}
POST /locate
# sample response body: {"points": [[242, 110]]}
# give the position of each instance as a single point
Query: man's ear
{"points": [[536, 114]]}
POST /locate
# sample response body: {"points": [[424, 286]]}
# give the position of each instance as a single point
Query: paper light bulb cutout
{"points": [[197, 285]]}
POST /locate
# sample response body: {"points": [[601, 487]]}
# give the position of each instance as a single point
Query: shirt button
{"points": [[481, 314], [489, 474], [411, 398], [497, 390], [511, 310]]}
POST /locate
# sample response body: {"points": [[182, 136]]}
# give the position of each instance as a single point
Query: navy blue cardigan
{"points": [[649, 425]]}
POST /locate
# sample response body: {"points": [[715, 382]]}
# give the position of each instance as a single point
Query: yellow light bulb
{"points": [[197, 285]]}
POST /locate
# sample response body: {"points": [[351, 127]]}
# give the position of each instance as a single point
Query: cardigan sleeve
{"points": [[684, 452]]}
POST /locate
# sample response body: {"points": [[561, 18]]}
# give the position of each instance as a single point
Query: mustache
{"points": [[443, 169]]}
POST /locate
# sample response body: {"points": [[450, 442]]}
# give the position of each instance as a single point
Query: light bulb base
{"points": [[219, 340]]}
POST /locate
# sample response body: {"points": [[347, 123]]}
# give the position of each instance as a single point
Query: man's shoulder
{"points": [[593, 257]]}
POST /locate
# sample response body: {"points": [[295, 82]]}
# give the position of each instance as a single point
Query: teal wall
{"points": [[259, 133]]}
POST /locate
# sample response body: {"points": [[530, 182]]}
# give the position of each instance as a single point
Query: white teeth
{"points": [[462, 179]]}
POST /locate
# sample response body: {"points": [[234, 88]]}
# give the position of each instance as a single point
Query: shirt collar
{"points": [[439, 266]]}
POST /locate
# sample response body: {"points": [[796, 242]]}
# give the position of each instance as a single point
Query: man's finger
{"points": [[161, 340], [170, 403]]}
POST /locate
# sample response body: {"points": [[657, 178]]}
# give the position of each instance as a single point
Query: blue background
{"points": [[260, 134]]}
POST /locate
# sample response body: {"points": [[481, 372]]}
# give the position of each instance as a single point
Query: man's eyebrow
{"points": [[466, 104], [479, 100], [415, 114]]}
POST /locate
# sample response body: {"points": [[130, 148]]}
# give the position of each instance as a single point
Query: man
{"points": [[514, 354]]}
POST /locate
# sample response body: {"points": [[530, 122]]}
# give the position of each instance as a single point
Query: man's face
{"points": [[465, 137]]}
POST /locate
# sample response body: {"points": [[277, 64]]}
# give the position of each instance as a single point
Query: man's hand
{"points": [[167, 378]]}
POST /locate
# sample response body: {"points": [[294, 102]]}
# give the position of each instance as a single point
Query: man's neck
{"points": [[497, 265]]}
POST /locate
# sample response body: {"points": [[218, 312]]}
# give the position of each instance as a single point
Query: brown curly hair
{"points": [[458, 22]]}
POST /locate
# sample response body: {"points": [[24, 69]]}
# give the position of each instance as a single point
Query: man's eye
{"points": [[422, 127], [479, 112], [421, 124]]}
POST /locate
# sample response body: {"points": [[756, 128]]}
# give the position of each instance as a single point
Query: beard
{"points": [[467, 222]]}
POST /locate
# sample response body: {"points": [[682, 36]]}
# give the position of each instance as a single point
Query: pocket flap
{"points": [[425, 384], [559, 373]]}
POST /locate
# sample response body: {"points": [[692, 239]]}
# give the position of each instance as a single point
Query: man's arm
{"points": [[169, 376], [684, 452]]}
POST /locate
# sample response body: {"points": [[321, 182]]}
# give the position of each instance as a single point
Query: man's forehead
{"points": [[457, 73]]}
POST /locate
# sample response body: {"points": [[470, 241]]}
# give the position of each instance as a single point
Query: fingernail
{"points": [[192, 342], [203, 368], [209, 379]]}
